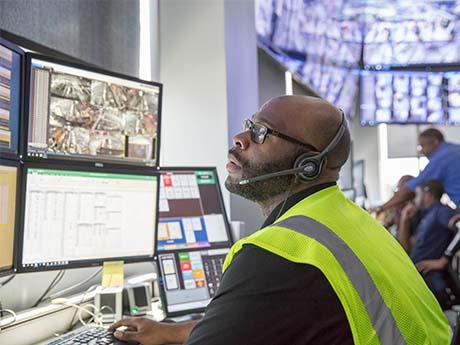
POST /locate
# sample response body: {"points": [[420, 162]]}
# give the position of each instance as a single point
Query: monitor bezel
{"points": [[64, 165], [8, 153], [222, 205], [15, 164], [162, 290], [79, 158]]}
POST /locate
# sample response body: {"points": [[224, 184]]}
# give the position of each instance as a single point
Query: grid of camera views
{"points": [[336, 84], [6, 62], [415, 33], [9, 97], [402, 97], [329, 61], [78, 112]]}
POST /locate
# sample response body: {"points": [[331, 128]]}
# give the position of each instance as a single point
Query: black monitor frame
{"points": [[162, 289], [64, 165], [83, 158], [7, 153], [221, 201], [14, 164]]}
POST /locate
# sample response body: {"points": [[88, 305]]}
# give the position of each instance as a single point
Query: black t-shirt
{"points": [[266, 299]]}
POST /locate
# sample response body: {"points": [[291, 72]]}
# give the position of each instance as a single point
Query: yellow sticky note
{"points": [[113, 274]]}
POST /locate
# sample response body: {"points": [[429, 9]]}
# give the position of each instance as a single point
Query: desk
{"points": [[38, 324]]}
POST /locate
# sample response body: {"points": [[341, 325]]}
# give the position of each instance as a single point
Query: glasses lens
{"points": [[258, 132], [247, 124]]}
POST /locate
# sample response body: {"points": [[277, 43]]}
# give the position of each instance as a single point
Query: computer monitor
{"points": [[345, 181], [358, 178], [74, 216], [9, 171], [191, 210], [359, 184], [82, 113], [189, 279], [11, 85], [193, 238]]}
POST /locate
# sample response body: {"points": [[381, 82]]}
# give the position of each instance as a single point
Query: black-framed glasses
{"points": [[260, 132]]}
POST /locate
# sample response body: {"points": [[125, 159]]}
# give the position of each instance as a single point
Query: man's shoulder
{"points": [[445, 211], [449, 148]]}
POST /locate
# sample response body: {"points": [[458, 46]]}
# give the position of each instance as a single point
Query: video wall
{"points": [[410, 97], [402, 56]]}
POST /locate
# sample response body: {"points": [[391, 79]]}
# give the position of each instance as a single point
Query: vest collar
{"points": [[292, 200]]}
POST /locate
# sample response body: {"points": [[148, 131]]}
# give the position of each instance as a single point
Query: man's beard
{"points": [[261, 190]]}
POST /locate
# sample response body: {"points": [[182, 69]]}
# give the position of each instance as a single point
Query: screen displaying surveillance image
{"points": [[335, 84], [410, 97], [10, 93], [409, 32], [76, 112]]}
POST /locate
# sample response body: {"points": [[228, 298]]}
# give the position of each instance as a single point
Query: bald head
{"points": [[309, 119]]}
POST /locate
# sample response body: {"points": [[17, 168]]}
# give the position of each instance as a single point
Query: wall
{"points": [[193, 69], [242, 92], [403, 140], [366, 146], [272, 81], [104, 32]]}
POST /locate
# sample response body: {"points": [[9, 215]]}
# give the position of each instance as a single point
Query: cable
{"points": [[12, 313], [55, 281], [70, 288], [286, 197], [3, 283], [95, 315], [81, 301]]}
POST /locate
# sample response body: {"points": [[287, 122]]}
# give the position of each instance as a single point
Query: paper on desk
{"points": [[112, 274]]}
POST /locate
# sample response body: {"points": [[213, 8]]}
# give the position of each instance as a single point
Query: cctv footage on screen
{"points": [[80, 113]]}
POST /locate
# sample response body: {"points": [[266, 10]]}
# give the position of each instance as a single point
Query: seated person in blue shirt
{"points": [[432, 236], [444, 165]]}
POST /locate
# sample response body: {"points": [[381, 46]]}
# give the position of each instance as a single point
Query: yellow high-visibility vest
{"points": [[385, 299]]}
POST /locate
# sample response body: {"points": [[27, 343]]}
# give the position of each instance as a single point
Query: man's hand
{"points": [[408, 212], [376, 210], [427, 266], [148, 332]]}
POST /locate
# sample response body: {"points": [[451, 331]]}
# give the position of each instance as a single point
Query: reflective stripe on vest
{"points": [[379, 314]]}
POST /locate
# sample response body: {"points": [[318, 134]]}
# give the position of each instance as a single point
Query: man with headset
{"points": [[320, 270]]}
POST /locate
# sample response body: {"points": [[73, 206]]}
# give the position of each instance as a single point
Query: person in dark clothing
{"points": [[320, 271], [431, 238]]}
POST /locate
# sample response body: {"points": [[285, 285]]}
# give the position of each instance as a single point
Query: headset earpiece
{"points": [[310, 166]]}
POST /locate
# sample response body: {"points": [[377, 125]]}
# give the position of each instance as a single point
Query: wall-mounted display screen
{"points": [[407, 33], [410, 97], [337, 85]]}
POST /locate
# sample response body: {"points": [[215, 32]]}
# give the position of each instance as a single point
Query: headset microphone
{"points": [[304, 169]]}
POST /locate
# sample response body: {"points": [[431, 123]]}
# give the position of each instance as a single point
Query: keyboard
{"points": [[86, 335]]}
